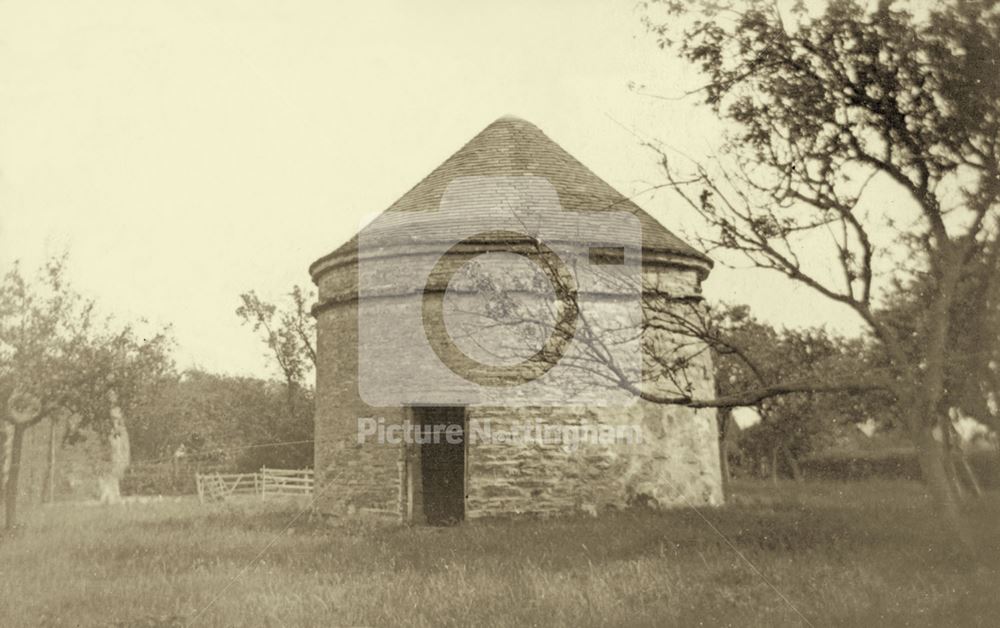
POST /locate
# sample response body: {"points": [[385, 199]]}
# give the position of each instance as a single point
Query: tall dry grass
{"points": [[823, 553]]}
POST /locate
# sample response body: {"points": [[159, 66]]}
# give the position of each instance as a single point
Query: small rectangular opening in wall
{"points": [[607, 255], [441, 477]]}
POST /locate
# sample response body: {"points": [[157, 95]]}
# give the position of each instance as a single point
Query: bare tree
{"points": [[820, 107], [819, 111]]}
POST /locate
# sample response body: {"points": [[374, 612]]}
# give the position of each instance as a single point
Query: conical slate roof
{"points": [[511, 147]]}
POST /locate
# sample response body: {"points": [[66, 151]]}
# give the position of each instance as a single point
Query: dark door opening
{"points": [[442, 463]]}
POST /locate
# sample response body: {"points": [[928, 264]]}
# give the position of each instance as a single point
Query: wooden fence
{"points": [[264, 484]]}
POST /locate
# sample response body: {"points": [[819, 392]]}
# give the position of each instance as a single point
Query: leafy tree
{"points": [[971, 377], [289, 332], [239, 421], [971, 370], [750, 354], [58, 358], [818, 106]]}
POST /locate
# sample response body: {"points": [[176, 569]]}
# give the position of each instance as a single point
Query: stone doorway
{"points": [[440, 481]]}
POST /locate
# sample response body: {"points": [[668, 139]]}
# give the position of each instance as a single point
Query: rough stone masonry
{"points": [[675, 461]]}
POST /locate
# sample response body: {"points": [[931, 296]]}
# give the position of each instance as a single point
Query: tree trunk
{"points": [[774, 464], [724, 465], [793, 464], [933, 457], [949, 437], [925, 401], [7, 434], [48, 490], [118, 441], [970, 475], [13, 474], [959, 464], [290, 389], [725, 416], [996, 474], [952, 471]]}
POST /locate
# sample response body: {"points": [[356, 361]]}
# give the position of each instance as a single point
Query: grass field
{"points": [[821, 554]]}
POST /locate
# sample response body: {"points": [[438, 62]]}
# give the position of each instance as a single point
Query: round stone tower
{"points": [[426, 415]]}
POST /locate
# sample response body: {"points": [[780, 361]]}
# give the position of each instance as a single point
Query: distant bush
{"points": [[247, 421], [901, 465]]}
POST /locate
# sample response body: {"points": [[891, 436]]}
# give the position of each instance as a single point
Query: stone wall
{"points": [[349, 477], [675, 462]]}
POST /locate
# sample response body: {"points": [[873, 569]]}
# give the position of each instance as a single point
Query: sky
{"points": [[184, 152]]}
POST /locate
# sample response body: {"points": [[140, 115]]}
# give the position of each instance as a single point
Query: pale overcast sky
{"points": [[186, 151]]}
